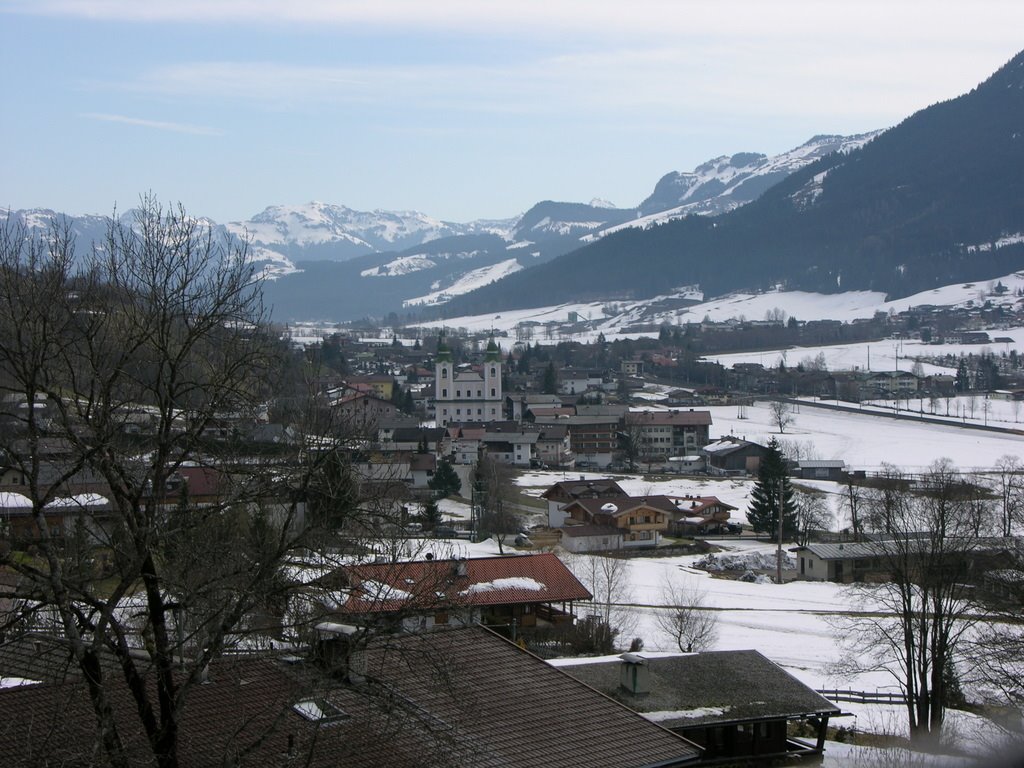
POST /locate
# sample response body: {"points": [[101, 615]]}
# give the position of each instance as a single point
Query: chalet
{"points": [[554, 448], [466, 440], [510, 442], [737, 705], [642, 520], [421, 469], [560, 494], [527, 591], [699, 515]]}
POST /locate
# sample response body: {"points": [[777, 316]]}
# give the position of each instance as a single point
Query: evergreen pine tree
{"points": [[550, 380], [763, 512], [445, 480]]}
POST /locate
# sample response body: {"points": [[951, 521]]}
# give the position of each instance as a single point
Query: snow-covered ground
{"points": [[617, 320], [468, 282]]}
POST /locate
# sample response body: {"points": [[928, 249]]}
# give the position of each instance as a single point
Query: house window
{"points": [[444, 393], [479, 393], [444, 373], [319, 710], [492, 370], [458, 393], [492, 392]]}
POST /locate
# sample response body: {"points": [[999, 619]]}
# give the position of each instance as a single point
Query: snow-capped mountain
{"points": [[335, 232], [726, 183], [326, 261]]}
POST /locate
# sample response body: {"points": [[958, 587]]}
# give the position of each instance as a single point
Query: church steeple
{"points": [[493, 353], [444, 353]]}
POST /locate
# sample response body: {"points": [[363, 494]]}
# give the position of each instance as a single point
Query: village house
{"points": [[641, 520], [699, 515], [576, 381], [562, 493], [669, 433], [734, 456], [737, 705], [361, 411], [873, 561], [351, 700], [525, 592]]}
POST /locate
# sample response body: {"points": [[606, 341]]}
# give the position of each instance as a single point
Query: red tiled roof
{"points": [[386, 587]]}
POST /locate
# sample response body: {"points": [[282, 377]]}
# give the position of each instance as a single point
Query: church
{"points": [[467, 394]]}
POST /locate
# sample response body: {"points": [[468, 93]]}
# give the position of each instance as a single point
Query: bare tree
{"points": [[812, 514], [782, 414], [685, 617], [122, 374], [495, 497], [609, 580], [1010, 489], [852, 503], [921, 614]]}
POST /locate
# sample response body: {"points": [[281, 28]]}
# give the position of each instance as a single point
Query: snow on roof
{"points": [[10, 500], [685, 714], [378, 590], [79, 500], [512, 582]]}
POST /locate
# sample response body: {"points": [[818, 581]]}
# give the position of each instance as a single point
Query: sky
{"points": [[460, 109]]}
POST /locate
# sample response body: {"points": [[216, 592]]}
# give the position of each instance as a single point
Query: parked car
{"points": [[523, 541], [445, 532]]}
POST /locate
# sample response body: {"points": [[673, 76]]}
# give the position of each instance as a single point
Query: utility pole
{"points": [[778, 552]]}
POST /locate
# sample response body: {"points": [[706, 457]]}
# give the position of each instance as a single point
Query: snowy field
{"points": [[866, 441], [614, 319]]}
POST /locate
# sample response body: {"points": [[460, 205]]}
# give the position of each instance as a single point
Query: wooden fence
{"points": [[863, 697]]}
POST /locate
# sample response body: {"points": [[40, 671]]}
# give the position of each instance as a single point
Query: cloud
{"points": [[987, 21], [195, 130]]}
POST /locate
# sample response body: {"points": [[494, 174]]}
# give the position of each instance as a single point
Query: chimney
{"points": [[338, 650], [634, 674]]}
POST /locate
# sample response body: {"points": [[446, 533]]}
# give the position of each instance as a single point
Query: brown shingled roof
{"points": [[462, 697]]}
